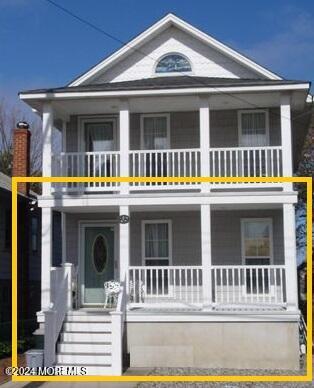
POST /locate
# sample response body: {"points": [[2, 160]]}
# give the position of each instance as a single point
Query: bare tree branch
{"points": [[9, 116]]}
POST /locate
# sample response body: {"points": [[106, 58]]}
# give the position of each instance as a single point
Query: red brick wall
{"points": [[21, 156]]}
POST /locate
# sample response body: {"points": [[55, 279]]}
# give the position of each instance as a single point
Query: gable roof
{"points": [[167, 21]]}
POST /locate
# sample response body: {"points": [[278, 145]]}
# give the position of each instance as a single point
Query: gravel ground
{"points": [[224, 372]]}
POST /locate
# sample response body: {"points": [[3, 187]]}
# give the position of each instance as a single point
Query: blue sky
{"points": [[40, 46]]}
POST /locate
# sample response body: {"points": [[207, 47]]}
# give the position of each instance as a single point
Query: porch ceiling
{"points": [[65, 107]]}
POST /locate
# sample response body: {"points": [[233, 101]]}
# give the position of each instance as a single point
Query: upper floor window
{"points": [[99, 134], [173, 63], [253, 128], [155, 131]]}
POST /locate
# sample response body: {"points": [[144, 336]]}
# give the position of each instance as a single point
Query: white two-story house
{"points": [[208, 270]]}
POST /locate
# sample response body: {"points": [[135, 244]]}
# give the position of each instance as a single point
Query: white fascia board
{"points": [[159, 26], [142, 200], [163, 92]]}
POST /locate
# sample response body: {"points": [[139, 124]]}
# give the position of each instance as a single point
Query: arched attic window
{"points": [[173, 63]]}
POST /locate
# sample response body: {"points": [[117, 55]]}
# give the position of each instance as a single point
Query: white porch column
{"points": [[290, 256], [286, 138], [206, 255], [204, 140], [47, 141], [124, 244], [46, 256], [124, 139]]}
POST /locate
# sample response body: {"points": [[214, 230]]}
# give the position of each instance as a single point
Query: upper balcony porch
{"points": [[181, 135]]}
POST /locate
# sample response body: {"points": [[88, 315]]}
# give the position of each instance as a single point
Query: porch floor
{"points": [[159, 310]]}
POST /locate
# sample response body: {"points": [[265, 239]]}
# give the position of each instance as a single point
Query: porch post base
{"points": [[292, 307], [207, 307]]}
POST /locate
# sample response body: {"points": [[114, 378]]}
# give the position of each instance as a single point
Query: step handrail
{"points": [[55, 314], [117, 323]]}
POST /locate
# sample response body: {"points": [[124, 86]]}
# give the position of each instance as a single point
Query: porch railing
{"points": [[245, 162], [247, 284], [165, 163], [89, 164], [231, 285], [165, 284], [223, 162]]}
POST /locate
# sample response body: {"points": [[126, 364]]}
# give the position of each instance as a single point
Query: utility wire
{"points": [[108, 35]]}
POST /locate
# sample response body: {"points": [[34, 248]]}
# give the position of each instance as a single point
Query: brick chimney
{"points": [[21, 154]]}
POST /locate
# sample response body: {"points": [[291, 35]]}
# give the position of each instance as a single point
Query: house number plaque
{"points": [[124, 219]]}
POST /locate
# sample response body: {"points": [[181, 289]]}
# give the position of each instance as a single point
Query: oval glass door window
{"points": [[100, 254]]}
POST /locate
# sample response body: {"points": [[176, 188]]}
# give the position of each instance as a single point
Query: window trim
{"points": [[241, 111], [271, 237], [143, 116], [157, 221], [82, 120], [172, 73]]}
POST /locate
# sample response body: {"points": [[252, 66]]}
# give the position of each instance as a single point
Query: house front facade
{"points": [[208, 269]]}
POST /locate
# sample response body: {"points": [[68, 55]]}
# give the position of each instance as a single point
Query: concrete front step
{"points": [[86, 337], [91, 370], [89, 327], [75, 347], [84, 359]]}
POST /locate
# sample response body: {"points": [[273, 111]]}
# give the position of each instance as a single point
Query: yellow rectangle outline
{"points": [[309, 190]]}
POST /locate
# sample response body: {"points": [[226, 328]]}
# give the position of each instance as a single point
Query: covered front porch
{"points": [[197, 258]]}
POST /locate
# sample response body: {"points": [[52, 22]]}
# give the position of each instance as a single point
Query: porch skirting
{"points": [[242, 345]]}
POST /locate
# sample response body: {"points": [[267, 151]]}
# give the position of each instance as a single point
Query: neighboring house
{"points": [[302, 288], [209, 269], [29, 245]]}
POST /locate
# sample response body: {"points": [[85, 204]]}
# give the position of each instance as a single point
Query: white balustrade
{"points": [[248, 284], [231, 285], [165, 284], [223, 162], [246, 162], [87, 164], [165, 163]]}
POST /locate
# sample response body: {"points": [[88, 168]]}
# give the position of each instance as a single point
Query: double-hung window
{"points": [[156, 242], [155, 135], [257, 250], [253, 132], [156, 248], [253, 128], [155, 132]]}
